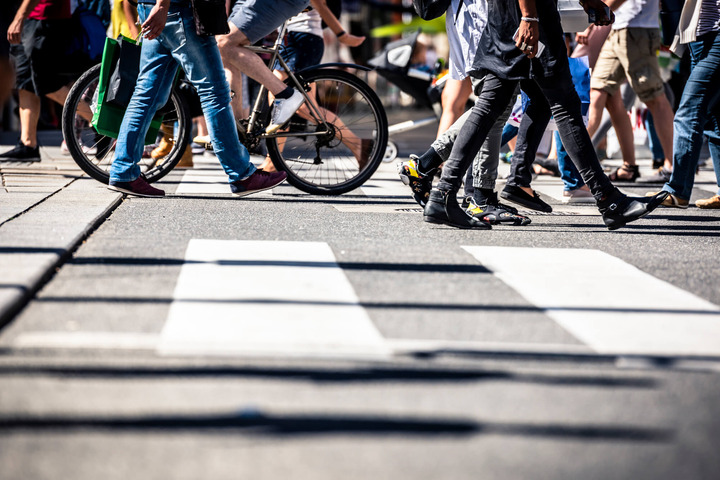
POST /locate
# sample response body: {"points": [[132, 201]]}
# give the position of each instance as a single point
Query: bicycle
{"points": [[315, 148]]}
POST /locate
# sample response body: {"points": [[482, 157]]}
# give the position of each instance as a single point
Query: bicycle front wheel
{"points": [[339, 157], [94, 152]]}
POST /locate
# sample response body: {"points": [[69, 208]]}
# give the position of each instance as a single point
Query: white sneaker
{"points": [[283, 109], [579, 195]]}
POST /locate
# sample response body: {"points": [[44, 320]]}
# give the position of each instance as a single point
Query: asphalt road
{"points": [[293, 336]]}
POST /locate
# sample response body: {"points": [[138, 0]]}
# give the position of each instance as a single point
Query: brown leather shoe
{"points": [[712, 202]]}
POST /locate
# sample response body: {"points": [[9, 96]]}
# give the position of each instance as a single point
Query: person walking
{"points": [[699, 110], [465, 22], [170, 40], [630, 51], [508, 53], [45, 43]]}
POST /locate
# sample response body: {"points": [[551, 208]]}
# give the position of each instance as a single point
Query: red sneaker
{"points": [[138, 187], [257, 182]]}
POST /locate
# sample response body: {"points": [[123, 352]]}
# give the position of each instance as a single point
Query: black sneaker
{"points": [[420, 185], [21, 153], [521, 197], [618, 210], [442, 208], [495, 212]]}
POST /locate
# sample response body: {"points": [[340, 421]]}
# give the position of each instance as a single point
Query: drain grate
{"points": [[409, 210], [534, 213]]}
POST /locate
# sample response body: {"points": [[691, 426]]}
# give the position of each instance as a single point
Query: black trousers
{"points": [[548, 95]]}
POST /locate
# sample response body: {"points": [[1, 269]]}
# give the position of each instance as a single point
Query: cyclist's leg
{"points": [[249, 22]]}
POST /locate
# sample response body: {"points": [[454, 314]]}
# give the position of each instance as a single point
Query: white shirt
{"points": [[637, 14], [464, 34], [306, 22]]}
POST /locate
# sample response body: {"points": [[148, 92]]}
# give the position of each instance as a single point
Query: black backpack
{"points": [[429, 9]]}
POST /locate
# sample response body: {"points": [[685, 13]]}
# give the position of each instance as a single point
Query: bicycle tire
{"points": [[94, 152], [327, 165]]}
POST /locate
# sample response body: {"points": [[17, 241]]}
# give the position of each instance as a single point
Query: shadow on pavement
{"points": [[256, 423], [336, 375]]}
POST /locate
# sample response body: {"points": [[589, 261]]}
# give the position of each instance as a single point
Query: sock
{"points": [[428, 162], [482, 195], [285, 94]]}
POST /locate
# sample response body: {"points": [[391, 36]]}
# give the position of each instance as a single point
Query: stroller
{"points": [[393, 64]]}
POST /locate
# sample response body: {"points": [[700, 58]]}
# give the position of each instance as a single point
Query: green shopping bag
{"points": [[108, 117]]}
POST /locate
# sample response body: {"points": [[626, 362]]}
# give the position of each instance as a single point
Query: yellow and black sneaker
{"points": [[419, 184], [495, 212]]}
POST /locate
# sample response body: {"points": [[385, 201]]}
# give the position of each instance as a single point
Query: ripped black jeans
{"points": [[550, 95]]}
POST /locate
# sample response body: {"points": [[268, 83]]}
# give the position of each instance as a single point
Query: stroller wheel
{"points": [[391, 152]]}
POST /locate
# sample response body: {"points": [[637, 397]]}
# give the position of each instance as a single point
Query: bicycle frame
{"points": [[262, 94]]}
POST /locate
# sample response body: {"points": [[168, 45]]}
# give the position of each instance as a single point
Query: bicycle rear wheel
{"points": [[335, 161], [94, 152]]}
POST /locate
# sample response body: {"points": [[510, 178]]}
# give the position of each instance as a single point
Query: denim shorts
{"points": [[42, 60], [258, 18], [301, 50]]}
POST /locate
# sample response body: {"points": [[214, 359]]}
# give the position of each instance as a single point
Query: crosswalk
{"points": [[288, 299], [246, 298]]}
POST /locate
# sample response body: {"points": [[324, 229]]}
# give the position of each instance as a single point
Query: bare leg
{"points": [[349, 139], [238, 60], [598, 98], [623, 127], [60, 95], [29, 105], [454, 97]]}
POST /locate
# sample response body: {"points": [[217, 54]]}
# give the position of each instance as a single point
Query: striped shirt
{"points": [[709, 17]]}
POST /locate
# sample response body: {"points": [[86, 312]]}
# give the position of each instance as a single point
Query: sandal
{"points": [[632, 169]]}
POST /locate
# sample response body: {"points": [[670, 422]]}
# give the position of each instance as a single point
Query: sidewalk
{"points": [[46, 210]]}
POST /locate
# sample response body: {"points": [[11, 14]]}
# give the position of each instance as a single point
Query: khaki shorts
{"points": [[631, 53]]}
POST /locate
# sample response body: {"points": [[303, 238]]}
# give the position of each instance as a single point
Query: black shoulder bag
{"points": [[210, 17]]}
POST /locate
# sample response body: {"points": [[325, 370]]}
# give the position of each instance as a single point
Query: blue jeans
{"points": [[653, 139], [200, 59], [568, 172], [698, 111], [509, 132]]}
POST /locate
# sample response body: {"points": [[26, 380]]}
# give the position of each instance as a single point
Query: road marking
{"points": [[245, 297], [87, 340], [206, 177], [606, 303]]}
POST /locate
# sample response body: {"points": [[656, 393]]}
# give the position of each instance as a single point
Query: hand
{"points": [[527, 38], [351, 40], [583, 38], [601, 9], [155, 22], [14, 32]]}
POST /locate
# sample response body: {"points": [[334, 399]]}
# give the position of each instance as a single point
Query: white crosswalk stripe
{"points": [[608, 304], [244, 297]]}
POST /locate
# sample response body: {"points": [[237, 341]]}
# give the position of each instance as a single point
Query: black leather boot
{"points": [[618, 210], [442, 207]]}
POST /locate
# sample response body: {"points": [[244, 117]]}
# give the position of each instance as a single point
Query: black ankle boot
{"points": [[618, 210], [442, 207]]}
